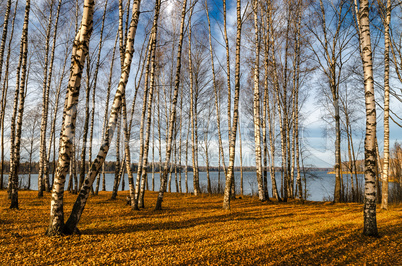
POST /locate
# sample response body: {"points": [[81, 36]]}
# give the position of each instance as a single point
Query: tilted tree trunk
{"points": [[71, 224], [369, 213], [127, 134], [144, 177], [45, 107], [109, 86], [127, 158], [79, 53], [91, 133], [5, 90], [74, 168], [86, 125], [117, 162], [232, 139], [2, 49], [70, 179], [143, 117], [21, 89], [173, 112], [127, 128], [117, 169], [48, 185], [4, 39], [13, 124]]}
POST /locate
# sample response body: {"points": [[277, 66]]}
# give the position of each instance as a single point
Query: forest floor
{"points": [[196, 231]]}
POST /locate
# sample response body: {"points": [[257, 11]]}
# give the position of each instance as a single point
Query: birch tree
{"points": [[79, 205], [4, 92], [79, 53], [45, 108], [369, 212], [164, 174], [385, 170], [256, 109], [20, 100], [333, 37], [233, 129], [3, 41]]}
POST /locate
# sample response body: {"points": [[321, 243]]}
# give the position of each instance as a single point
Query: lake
{"points": [[320, 185]]}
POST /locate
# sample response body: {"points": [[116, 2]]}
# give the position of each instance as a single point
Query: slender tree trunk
{"points": [[117, 179], [142, 125], [206, 129], [117, 169], [42, 185], [337, 193], [385, 173], [144, 176], [281, 129], [241, 161], [21, 84], [94, 93], [153, 151], [218, 123], [127, 134], [159, 139], [232, 139], [180, 132], [70, 179], [227, 68], [257, 122], [86, 124], [13, 123], [4, 91], [271, 127], [49, 82], [3, 40], [193, 114], [296, 104], [117, 162], [186, 166], [74, 168], [2, 49], [175, 161], [109, 86], [173, 112]]}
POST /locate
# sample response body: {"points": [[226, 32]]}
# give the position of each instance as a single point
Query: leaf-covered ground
{"points": [[196, 231]]}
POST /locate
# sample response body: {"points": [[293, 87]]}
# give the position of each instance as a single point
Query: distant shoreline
{"points": [[203, 169]]}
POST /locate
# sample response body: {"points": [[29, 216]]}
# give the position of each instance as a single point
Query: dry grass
{"points": [[196, 231]]}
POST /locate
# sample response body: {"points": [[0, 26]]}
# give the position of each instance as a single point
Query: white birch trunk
{"points": [[369, 213]]}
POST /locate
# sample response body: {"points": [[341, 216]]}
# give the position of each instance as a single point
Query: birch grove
{"points": [[270, 93]]}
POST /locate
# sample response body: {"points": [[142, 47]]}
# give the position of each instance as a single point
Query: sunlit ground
{"points": [[196, 231]]}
